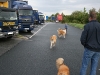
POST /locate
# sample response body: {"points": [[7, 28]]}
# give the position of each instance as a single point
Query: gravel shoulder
{"points": [[7, 44]]}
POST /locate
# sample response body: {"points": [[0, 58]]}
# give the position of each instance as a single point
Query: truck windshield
{"points": [[41, 16], [25, 12], [8, 15], [35, 11]]}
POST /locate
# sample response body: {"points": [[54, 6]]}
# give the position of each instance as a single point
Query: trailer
{"points": [[47, 18], [59, 17]]}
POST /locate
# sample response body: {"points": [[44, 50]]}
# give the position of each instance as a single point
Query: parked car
{"points": [[57, 21]]}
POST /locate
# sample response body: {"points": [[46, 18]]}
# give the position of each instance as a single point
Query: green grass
{"points": [[18, 35], [80, 26], [21, 36]]}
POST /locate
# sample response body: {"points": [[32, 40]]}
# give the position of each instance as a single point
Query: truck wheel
{"points": [[9, 37], [29, 31]]}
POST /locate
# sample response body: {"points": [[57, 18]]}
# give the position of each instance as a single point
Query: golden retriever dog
{"points": [[62, 68], [53, 40], [61, 32]]}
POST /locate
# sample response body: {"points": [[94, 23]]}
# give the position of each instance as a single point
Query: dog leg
{"points": [[64, 36], [51, 45]]}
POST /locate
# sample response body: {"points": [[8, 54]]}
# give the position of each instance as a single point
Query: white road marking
{"points": [[38, 31]]}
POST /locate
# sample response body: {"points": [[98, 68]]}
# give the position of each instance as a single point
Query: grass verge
{"points": [[80, 26], [21, 36]]}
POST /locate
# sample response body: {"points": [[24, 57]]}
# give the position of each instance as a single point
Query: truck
{"points": [[59, 17], [41, 18], [8, 20], [47, 18], [35, 17], [53, 18], [38, 17], [25, 15]]}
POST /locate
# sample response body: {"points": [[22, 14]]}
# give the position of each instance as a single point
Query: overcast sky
{"points": [[49, 7]]}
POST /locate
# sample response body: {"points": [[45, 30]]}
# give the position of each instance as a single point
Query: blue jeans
{"points": [[89, 56]]}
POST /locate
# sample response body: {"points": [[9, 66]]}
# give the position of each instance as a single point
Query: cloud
{"points": [[63, 1], [67, 6], [72, 1], [66, 12]]}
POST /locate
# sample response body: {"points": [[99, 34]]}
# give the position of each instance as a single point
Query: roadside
{"points": [[80, 26]]}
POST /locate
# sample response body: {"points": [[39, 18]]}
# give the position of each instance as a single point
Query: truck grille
{"points": [[42, 21], [7, 28], [26, 26], [26, 21]]}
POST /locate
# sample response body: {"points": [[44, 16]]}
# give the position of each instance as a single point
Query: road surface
{"points": [[34, 56]]}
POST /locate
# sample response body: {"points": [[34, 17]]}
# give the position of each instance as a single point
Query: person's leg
{"points": [[66, 30], [86, 58], [94, 63]]}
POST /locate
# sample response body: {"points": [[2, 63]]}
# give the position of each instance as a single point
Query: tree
{"points": [[79, 16]]}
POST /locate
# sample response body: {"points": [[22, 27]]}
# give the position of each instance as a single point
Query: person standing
{"points": [[90, 39], [66, 27]]}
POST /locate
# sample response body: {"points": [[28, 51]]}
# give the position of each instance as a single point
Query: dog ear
{"points": [[60, 60]]}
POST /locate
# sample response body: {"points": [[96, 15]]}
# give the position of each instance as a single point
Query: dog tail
{"points": [[58, 29]]}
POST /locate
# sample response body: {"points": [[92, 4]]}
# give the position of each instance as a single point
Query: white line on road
{"points": [[37, 31]]}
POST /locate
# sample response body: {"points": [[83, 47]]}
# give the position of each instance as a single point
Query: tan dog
{"points": [[61, 32], [62, 68], [53, 40]]}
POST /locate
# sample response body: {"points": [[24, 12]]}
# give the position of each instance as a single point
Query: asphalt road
{"points": [[34, 56]]}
